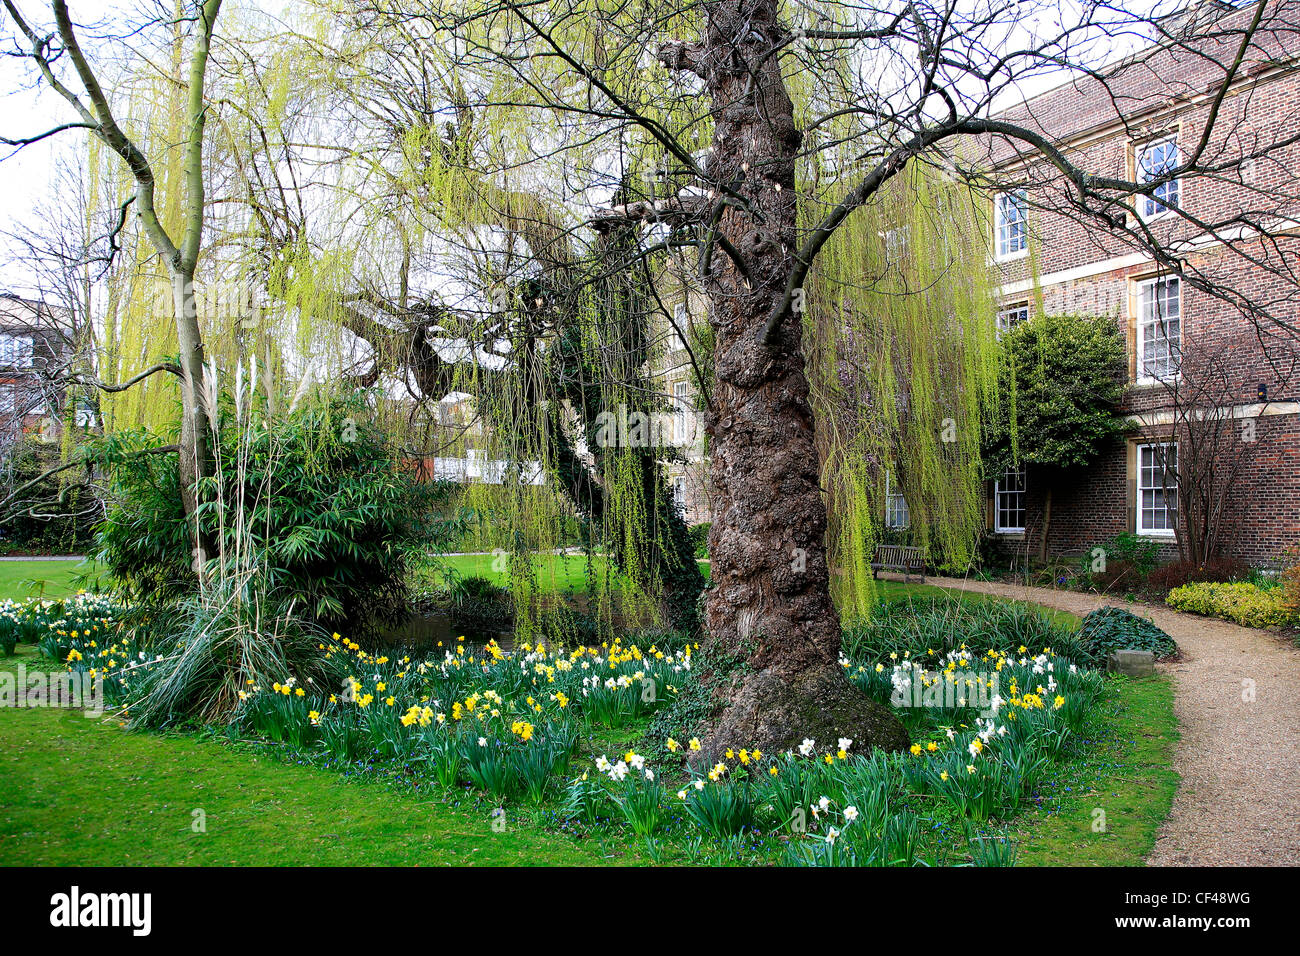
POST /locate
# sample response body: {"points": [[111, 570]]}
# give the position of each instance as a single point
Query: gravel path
{"points": [[1238, 802]]}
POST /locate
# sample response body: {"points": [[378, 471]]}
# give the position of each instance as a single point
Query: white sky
{"points": [[25, 110], [25, 175]]}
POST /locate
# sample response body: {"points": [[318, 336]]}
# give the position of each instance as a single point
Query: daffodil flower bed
{"points": [[57, 626], [988, 727]]}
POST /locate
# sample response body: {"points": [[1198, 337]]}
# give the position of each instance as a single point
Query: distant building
{"points": [[1136, 122], [685, 459], [32, 344]]}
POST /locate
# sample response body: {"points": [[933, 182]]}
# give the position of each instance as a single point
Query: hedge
{"points": [[1238, 601]]}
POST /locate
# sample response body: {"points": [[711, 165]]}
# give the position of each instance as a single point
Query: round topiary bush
{"points": [[1112, 629]]}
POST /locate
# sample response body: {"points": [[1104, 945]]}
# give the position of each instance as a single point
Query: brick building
{"points": [[687, 465], [31, 342], [1135, 122]]}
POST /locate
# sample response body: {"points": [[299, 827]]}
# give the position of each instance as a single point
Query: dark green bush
{"points": [[1112, 628], [328, 510], [479, 606], [700, 538]]}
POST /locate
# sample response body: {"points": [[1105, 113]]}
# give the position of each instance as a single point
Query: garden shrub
{"points": [[327, 510], [1177, 573], [1241, 602], [1291, 581], [1110, 629], [1130, 559], [700, 538], [478, 605]]}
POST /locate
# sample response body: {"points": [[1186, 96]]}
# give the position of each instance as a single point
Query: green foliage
{"points": [[639, 798], [1110, 629], [1061, 382], [65, 512], [700, 538], [316, 501], [204, 656], [723, 809], [1242, 602], [143, 541], [479, 606], [941, 625], [1142, 553]]}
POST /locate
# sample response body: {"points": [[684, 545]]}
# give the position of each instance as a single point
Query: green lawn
{"points": [[53, 578], [1126, 774], [896, 590], [568, 572], [77, 791], [555, 572]]}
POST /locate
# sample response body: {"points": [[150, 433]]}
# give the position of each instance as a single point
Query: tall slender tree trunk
{"points": [[195, 456], [1047, 523], [769, 608]]}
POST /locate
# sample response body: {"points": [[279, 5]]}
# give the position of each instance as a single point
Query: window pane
{"points": [[1156, 160], [1009, 221], [1160, 320]]}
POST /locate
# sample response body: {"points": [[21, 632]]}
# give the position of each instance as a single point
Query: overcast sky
{"points": [[26, 109]]}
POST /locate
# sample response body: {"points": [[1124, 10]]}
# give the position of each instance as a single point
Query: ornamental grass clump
{"points": [[222, 650]]}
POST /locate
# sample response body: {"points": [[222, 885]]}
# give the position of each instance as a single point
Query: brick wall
{"points": [[1074, 266]]}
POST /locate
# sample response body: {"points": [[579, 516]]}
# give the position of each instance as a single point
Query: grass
{"points": [[45, 578], [568, 572], [555, 572], [887, 590], [77, 791], [1125, 771]]}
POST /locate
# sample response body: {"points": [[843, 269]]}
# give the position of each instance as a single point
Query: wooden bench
{"points": [[899, 557]]}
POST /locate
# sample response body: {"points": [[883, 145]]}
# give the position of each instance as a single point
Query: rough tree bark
{"points": [[769, 606]]}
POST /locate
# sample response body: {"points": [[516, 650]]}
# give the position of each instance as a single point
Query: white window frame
{"points": [[998, 510], [1004, 322], [1166, 487], [1146, 300], [15, 350], [681, 412], [679, 493], [1167, 195], [1001, 226], [681, 322], [897, 516]]}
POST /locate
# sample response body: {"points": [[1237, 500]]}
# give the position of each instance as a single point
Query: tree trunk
{"points": [[195, 446], [1047, 523], [769, 607]]}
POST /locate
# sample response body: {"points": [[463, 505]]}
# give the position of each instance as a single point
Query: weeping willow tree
{"points": [[794, 123], [422, 268], [903, 363]]}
